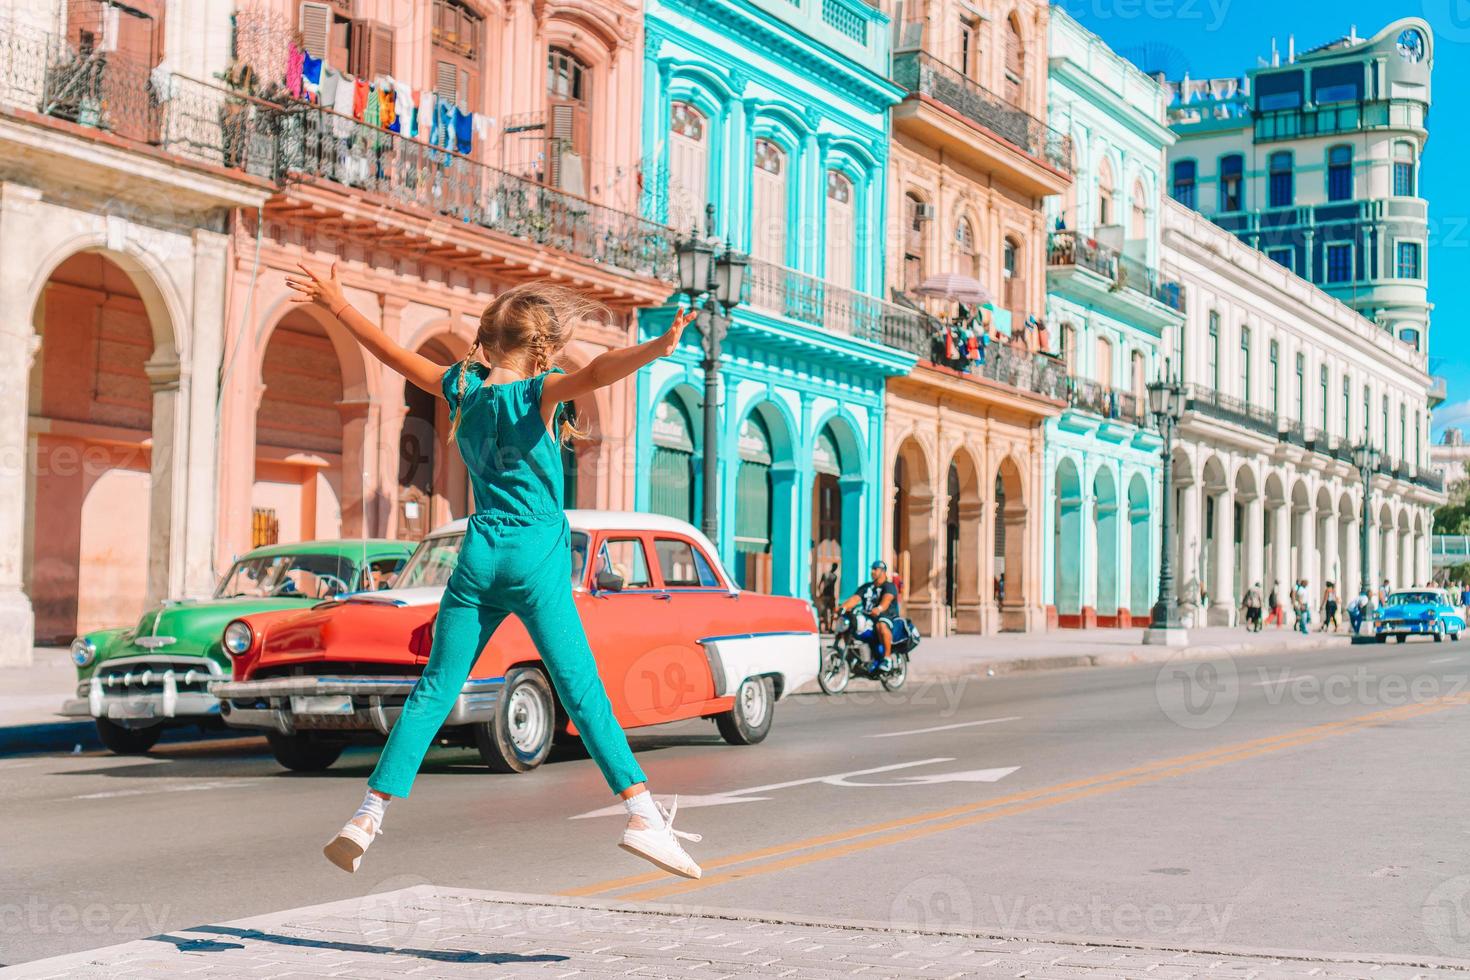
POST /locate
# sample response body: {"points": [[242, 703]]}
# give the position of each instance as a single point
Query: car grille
{"points": [[147, 678]]}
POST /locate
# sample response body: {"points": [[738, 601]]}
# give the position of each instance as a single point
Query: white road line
{"points": [[1443, 660], [944, 728], [186, 788]]}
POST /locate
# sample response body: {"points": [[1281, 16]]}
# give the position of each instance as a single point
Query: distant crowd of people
{"points": [[1262, 611]]}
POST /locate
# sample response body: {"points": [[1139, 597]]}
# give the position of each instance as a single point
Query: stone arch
{"points": [[964, 512], [1216, 572], [1140, 548], [913, 543], [431, 485], [1013, 530], [1105, 528], [675, 476], [1067, 547], [837, 496], [765, 499]]}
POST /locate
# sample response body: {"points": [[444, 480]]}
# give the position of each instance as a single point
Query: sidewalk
{"points": [[427, 931], [32, 695]]}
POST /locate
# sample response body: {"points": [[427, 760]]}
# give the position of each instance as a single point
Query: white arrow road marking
{"points": [[748, 795], [1443, 660], [972, 776], [945, 728]]}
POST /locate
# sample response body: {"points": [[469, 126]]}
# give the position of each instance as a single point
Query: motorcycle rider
{"points": [[879, 598]]}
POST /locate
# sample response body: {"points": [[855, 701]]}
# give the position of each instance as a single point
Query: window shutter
{"points": [[446, 80], [382, 55], [316, 25]]}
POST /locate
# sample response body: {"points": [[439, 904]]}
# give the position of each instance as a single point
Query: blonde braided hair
{"points": [[524, 329]]}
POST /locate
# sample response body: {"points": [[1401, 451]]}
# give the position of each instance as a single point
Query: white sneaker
{"points": [[351, 843], [660, 845]]}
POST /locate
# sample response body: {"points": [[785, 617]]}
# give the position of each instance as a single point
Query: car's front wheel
{"points": [[518, 738], [750, 720], [127, 741], [304, 751]]}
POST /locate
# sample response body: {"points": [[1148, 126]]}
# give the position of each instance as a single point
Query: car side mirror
{"points": [[609, 582]]}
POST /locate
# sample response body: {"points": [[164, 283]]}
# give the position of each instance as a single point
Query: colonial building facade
{"points": [[973, 161], [1284, 381], [1108, 307], [776, 116]]}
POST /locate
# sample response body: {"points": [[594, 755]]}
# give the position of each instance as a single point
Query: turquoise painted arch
{"points": [[839, 482], [1067, 543], [1140, 547], [675, 470], [764, 500], [1105, 534]]}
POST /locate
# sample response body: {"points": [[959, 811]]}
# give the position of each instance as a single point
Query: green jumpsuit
{"points": [[516, 560]]}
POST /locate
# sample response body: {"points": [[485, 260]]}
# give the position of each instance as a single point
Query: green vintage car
{"points": [[137, 680]]}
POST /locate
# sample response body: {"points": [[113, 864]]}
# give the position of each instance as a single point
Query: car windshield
{"points": [[1415, 599], [435, 558], [303, 576]]}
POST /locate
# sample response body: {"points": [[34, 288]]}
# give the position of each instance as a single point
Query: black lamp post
{"points": [[1365, 458], [1166, 402], [718, 276]]}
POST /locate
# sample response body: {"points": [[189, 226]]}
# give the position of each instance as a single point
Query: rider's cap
{"points": [[878, 564]]}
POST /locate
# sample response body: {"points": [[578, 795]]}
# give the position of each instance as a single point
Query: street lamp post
{"points": [[718, 277], [1365, 458], [1166, 399]]}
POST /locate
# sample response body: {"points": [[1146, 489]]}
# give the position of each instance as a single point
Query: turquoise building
{"points": [[776, 113], [1107, 306]]}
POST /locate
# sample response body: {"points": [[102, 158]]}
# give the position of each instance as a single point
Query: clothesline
{"points": [[385, 102]]}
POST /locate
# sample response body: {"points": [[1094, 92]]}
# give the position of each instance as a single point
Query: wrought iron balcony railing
{"points": [[923, 74], [1101, 400], [1069, 248], [111, 94], [1230, 409], [318, 143], [786, 292]]}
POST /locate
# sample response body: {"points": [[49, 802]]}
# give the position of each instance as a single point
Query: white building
{"points": [[1450, 459], [1284, 380]]}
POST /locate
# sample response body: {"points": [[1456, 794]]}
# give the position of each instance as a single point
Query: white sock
{"points": [[374, 806], [642, 806]]}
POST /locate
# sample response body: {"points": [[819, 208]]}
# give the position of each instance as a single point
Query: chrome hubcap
{"points": [[528, 719], [753, 702]]}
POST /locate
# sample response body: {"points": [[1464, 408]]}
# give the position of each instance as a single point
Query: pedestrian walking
{"points": [[1465, 599], [1278, 615], [1383, 594], [827, 598], [1358, 610], [1329, 608], [1302, 606], [1252, 605], [504, 398]]}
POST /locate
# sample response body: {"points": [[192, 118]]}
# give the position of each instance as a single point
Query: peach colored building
{"points": [[176, 409], [971, 161]]}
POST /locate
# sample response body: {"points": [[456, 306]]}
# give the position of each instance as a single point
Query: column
{"points": [[164, 512], [201, 481], [1307, 557], [1407, 577], [1352, 560], [1281, 577], [1222, 584], [1186, 561], [18, 344]]}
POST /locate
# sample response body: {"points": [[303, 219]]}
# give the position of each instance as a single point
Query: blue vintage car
{"points": [[1419, 612]]}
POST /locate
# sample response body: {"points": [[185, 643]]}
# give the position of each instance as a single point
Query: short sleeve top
{"points": [[513, 461]]}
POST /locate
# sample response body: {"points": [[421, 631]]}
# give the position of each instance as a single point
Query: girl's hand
{"points": [[313, 288], [669, 342]]}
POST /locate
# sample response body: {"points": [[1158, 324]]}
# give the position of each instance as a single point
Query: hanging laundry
{"points": [[387, 107], [415, 99], [482, 126], [295, 58], [327, 92], [343, 106], [464, 131], [372, 113], [949, 348], [311, 76], [360, 93], [426, 116], [443, 134]]}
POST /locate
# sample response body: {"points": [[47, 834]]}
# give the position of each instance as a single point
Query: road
{"points": [[1310, 802]]}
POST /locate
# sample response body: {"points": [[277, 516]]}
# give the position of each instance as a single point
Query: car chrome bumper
{"points": [[144, 695], [291, 704]]}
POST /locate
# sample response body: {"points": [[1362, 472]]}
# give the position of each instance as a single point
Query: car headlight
{"points": [[238, 637], [83, 651]]}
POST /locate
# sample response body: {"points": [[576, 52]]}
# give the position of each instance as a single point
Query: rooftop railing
{"points": [[1070, 248], [923, 74]]}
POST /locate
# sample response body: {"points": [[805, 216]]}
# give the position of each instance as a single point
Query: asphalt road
{"points": [[1306, 802]]}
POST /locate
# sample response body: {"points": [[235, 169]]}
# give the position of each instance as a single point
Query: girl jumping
{"points": [[516, 557]]}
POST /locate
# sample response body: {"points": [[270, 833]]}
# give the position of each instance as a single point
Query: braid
{"points": [[461, 385]]}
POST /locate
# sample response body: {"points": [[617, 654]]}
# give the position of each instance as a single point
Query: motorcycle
{"points": [[854, 651]]}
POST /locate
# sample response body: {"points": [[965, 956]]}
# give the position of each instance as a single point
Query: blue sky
{"points": [[1224, 37]]}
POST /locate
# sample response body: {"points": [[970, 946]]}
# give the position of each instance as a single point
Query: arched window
{"points": [[1015, 60], [688, 166], [1282, 184], [1103, 369], [841, 250], [1232, 182], [1183, 183], [1340, 173], [568, 119], [1105, 213], [1015, 287], [915, 215], [768, 204], [966, 246], [1138, 226], [1403, 170]]}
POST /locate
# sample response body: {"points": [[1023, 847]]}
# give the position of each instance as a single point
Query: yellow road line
{"points": [[920, 825]]}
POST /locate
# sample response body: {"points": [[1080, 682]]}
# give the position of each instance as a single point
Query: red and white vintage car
{"points": [[673, 636]]}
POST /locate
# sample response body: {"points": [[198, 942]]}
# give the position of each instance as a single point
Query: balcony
{"points": [[207, 144], [1438, 390], [1107, 403], [946, 109], [1226, 408], [619, 257], [806, 299], [1106, 277], [1338, 117]]}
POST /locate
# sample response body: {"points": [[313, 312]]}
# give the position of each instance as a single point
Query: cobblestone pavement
{"points": [[432, 932]]}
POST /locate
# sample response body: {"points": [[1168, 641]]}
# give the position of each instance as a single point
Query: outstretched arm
{"points": [[327, 292], [613, 365]]}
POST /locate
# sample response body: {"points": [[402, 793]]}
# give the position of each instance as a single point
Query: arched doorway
{"points": [[433, 486], [913, 547], [1248, 547], [1140, 549], [300, 438], [837, 496], [1219, 538], [1010, 586], [1301, 514], [1276, 537], [1067, 547], [673, 478], [1105, 534], [1387, 560], [753, 524], [1349, 559], [963, 542], [1327, 568], [95, 555]]}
